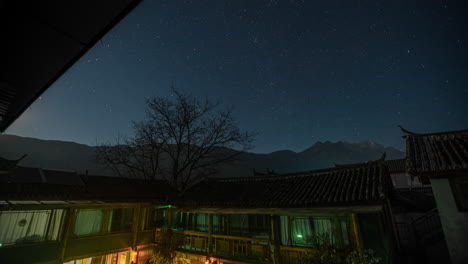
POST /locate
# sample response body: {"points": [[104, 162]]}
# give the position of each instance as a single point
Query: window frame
{"points": [[109, 224], [105, 225], [47, 231], [336, 226]]}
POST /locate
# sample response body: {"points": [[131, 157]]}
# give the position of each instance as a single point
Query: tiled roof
{"points": [[33, 183], [398, 165], [337, 186], [437, 153], [351, 165]]}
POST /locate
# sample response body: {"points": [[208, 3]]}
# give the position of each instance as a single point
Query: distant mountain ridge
{"points": [[71, 156]]}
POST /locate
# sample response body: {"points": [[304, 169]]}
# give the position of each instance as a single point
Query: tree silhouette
{"points": [[182, 140]]}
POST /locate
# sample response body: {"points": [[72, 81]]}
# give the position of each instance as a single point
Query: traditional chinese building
{"points": [[61, 217], [443, 158], [415, 216], [272, 219], [49, 216]]}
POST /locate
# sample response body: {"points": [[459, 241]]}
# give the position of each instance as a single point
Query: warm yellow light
{"points": [[133, 256]]}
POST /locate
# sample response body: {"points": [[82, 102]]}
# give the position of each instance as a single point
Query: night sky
{"points": [[296, 72]]}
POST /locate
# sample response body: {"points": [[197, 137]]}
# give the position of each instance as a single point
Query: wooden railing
{"points": [[242, 248], [428, 228], [405, 235], [195, 241], [239, 248], [292, 255], [427, 190]]}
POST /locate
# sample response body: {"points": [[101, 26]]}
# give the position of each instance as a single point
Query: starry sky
{"points": [[296, 72]]}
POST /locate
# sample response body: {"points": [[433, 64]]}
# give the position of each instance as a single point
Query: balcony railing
{"points": [[428, 228], [224, 246], [427, 190], [194, 241], [241, 247], [292, 255]]}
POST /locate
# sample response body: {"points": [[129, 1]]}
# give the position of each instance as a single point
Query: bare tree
{"points": [[182, 140]]}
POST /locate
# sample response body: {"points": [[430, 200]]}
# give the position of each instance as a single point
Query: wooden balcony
{"points": [[228, 247], [291, 255], [242, 248]]}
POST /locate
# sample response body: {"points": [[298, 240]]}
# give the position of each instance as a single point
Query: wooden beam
{"points": [[67, 230], [210, 234], [135, 224], [274, 238], [338, 232], [356, 233], [388, 214], [322, 211], [169, 218]]}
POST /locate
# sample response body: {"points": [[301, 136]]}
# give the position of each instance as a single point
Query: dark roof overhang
{"points": [[437, 155], [43, 40]]}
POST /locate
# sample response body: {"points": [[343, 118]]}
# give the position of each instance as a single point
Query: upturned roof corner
{"points": [[406, 132]]}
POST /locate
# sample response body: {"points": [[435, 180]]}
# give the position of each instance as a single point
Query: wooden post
{"points": [[105, 220], [338, 232], [210, 234], [67, 230], [389, 217], [355, 229], [135, 224], [274, 239], [169, 218], [143, 219]]}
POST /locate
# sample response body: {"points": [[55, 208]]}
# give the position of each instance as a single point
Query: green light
{"points": [[300, 236], [1, 244], [164, 206]]}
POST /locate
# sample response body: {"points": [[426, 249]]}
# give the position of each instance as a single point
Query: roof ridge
{"points": [[412, 134], [369, 162], [395, 160], [299, 174]]}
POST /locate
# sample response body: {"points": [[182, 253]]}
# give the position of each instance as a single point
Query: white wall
{"points": [[404, 180], [454, 223]]}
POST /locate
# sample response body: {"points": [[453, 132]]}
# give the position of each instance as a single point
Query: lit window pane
{"points": [[88, 221], [18, 227]]}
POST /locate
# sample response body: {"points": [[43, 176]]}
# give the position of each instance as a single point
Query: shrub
{"points": [[165, 250], [364, 257], [324, 253]]}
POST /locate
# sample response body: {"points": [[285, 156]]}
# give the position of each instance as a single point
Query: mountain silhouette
{"points": [[71, 156]]}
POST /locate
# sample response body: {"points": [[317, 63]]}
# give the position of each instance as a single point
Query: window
{"points": [[373, 235], [156, 218], [300, 231], [345, 232], [88, 222], [83, 261], [91, 221], [190, 221], [17, 227], [250, 225], [304, 229], [120, 220]]}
